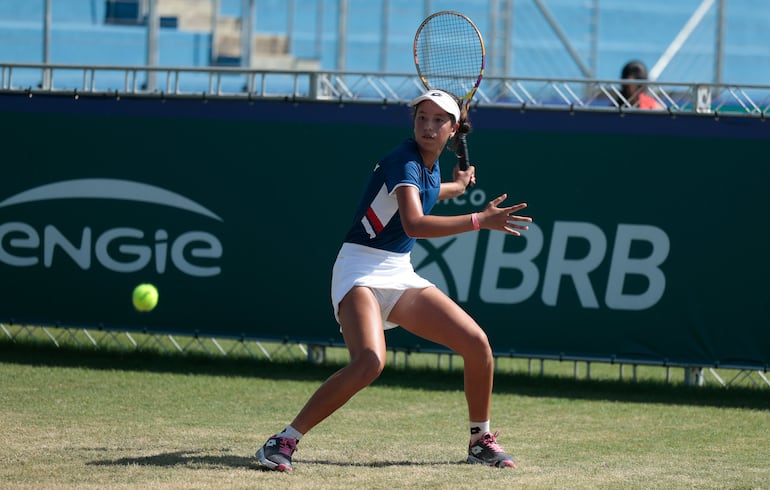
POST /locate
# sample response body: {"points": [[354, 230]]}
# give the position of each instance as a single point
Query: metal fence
{"points": [[293, 351], [523, 93]]}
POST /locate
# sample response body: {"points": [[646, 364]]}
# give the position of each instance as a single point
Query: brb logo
{"points": [[448, 263], [120, 249]]}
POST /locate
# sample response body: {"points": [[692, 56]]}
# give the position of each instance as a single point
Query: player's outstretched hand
{"points": [[504, 218]]}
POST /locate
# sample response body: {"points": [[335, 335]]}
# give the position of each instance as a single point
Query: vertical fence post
{"points": [[693, 376], [152, 43]]}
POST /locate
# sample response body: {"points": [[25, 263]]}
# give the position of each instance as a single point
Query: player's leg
{"points": [[361, 322], [362, 329], [432, 315]]}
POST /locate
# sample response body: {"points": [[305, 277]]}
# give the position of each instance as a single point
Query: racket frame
{"points": [[465, 99]]}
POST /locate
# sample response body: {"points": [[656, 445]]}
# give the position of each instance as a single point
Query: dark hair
{"points": [[464, 128], [634, 70]]}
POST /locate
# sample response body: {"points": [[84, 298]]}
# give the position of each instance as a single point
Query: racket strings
{"points": [[449, 54]]}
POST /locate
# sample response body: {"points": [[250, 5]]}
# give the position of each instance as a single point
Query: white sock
{"points": [[478, 429], [291, 433]]}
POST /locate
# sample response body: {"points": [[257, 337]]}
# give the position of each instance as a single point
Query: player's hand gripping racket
{"points": [[449, 55]]}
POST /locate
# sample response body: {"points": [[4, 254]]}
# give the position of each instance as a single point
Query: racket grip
{"points": [[462, 153]]}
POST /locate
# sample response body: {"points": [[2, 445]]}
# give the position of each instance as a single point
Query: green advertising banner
{"points": [[648, 242]]}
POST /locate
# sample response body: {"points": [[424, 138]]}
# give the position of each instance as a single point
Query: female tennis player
{"points": [[374, 286]]}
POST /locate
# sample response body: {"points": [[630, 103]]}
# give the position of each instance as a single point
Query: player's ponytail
{"points": [[463, 129]]}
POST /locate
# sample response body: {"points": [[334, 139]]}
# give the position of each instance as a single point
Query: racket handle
{"points": [[462, 153]]}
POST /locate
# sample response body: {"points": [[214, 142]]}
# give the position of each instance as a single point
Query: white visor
{"points": [[442, 99]]}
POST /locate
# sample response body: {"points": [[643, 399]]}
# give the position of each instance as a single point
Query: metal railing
{"points": [[521, 93], [295, 350]]}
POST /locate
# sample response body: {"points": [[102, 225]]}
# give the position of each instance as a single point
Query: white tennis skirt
{"points": [[387, 274]]}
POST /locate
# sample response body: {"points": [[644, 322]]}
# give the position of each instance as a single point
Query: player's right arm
{"points": [[456, 187]]}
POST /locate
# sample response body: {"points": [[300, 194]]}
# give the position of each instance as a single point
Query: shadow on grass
{"points": [[203, 459], [193, 459], [380, 464], [422, 378]]}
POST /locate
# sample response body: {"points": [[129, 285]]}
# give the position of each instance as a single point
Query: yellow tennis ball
{"points": [[145, 297]]}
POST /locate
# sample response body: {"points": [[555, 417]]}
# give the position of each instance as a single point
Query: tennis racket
{"points": [[449, 55]]}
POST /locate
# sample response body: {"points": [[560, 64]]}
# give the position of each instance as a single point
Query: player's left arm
{"points": [[416, 224], [419, 225]]}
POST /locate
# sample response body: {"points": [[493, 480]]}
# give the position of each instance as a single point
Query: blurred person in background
{"points": [[635, 94]]}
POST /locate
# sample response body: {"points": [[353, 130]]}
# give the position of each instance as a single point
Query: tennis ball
{"points": [[145, 297]]}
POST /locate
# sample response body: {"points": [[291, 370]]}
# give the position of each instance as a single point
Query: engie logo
{"points": [[120, 249], [448, 263]]}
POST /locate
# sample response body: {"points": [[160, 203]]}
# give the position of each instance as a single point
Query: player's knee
{"points": [[477, 345], [368, 367]]}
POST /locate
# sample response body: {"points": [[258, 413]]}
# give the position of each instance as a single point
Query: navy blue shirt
{"points": [[377, 222]]}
